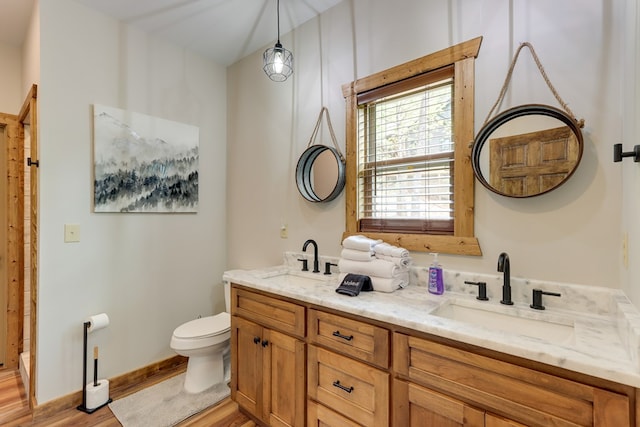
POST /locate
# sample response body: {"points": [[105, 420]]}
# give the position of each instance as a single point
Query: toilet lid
{"points": [[204, 327]]}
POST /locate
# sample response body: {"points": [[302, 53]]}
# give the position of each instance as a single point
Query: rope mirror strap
{"points": [[544, 76], [325, 111]]}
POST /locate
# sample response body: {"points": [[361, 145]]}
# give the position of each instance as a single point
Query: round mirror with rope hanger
{"points": [[320, 173], [530, 149]]}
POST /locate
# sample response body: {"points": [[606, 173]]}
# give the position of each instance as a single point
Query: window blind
{"points": [[406, 158]]}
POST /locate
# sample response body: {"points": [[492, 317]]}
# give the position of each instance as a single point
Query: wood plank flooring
{"points": [[14, 408]]}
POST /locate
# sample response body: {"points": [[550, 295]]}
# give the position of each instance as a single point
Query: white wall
{"points": [[148, 272], [631, 137], [572, 234], [11, 95], [31, 52]]}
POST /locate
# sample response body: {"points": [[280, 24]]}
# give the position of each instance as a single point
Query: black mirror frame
{"points": [[304, 180], [513, 113]]}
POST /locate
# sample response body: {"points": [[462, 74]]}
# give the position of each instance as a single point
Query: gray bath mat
{"points": [[165, 404]]}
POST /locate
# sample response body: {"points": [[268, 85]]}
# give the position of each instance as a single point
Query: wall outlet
{"points": [[284, 233], [71, 233]]}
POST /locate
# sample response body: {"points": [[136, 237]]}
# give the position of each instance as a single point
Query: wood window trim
{"points": [[462, 57]]}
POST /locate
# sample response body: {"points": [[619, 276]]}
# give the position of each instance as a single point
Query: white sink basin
{"points": [[510, 320], [285, 275]]}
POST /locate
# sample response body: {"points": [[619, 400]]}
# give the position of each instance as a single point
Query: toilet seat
{"points": [[204, 327]]}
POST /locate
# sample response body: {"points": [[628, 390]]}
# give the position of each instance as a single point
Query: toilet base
{"points": [[203, 372]]}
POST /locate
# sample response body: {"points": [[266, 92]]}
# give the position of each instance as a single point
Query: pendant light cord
{"points": [[278, 18]]}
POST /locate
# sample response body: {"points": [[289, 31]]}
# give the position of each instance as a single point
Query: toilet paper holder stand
{"points": [[83, 406]]}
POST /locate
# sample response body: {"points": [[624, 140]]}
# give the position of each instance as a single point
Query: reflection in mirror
{"points": [[320, 173], [325, 172], [527, 151]]}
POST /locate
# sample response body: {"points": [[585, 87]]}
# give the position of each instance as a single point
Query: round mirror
{"points": [[527, 151], [320, 173]]}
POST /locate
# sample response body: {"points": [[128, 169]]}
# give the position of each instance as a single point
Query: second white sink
{"points": [[508, 320]]}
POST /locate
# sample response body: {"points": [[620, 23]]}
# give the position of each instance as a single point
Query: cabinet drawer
{"points": [[353, 389], [321, 416], [356, 339], [524, 395], [419, 406], [271, 312]]}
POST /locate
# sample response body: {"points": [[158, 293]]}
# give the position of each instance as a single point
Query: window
{"points": [[409, 135]]}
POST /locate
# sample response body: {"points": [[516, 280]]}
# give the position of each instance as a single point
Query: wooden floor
{"points": [[14, 409]]}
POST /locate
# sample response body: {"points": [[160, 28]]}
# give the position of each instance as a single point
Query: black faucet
{"points": [[316, 268], [504, 267]]}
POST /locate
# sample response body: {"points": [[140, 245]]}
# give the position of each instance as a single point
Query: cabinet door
{"points": [[495, 421], [321, 416], [611, 409], [247, 365], [284, 372], [418, 406]]}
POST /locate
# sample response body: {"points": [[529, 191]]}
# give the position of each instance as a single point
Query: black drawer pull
{"points": [[336, 383], [265, 343], [256, 340], [344, 337]]}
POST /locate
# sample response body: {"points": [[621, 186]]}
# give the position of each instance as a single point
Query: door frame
{"points": [[15, 240], [29, 115], [15, 235]]}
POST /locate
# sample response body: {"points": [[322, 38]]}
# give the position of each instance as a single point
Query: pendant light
{"points": [[278, 61]]}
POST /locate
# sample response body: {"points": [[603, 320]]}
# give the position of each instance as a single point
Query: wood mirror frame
{"points": [[525, 155], [318, 179]]}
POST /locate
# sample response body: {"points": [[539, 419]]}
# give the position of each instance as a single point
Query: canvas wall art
{"points": [[143, 163]]}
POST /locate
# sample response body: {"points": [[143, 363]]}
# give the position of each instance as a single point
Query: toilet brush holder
{"points": [[97, 395]]}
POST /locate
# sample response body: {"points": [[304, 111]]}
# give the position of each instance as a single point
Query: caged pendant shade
{"points": [[278, 61]]}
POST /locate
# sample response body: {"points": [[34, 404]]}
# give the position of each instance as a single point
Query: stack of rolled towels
{"points": [[385, 264]]}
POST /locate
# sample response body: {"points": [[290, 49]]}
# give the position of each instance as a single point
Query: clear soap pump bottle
{"points": [[436, 281]]}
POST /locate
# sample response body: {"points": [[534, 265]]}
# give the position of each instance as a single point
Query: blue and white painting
{"points": [[144, 163]]}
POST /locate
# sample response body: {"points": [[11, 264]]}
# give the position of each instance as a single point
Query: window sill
{"points": [[455, 245]]}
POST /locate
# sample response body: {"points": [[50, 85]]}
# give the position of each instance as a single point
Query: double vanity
{"points": [[303, 354]]}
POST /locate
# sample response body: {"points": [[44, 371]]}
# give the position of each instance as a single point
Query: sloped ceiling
{"points": [[223, 30]]}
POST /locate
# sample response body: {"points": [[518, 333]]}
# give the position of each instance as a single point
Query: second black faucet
{"points": [[504, 267]]}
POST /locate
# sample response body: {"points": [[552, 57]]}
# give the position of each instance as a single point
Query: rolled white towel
{"points": [[356, 255], [385, 284], [375, 267], [360, 243], [402, 262], [390, 250]]}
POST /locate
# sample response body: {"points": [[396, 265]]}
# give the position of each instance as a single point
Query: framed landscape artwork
{"points": [[143, 163]]}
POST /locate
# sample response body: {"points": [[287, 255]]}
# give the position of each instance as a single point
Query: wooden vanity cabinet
{"points": [[516, 393], [268, 381], [304, 365]]}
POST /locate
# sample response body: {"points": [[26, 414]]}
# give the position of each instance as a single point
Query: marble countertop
{"points": [[606, 326]]}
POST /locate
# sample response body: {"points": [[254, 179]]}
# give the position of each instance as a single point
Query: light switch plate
{"points": [[71, 233]]}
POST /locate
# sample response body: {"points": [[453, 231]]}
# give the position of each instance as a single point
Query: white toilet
{"points": [[204, 341]]}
